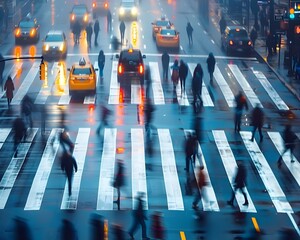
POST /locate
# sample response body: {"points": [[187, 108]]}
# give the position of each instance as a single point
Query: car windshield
{"points": [[127, 4], [238, 34], [170, 32], [26, 24], [162, 23], [79, 10], [54, 38], [82, 71]]}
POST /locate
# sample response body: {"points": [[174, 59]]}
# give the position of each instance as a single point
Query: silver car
{"points": [[55, 45]]}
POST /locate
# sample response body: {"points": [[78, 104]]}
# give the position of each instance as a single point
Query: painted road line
{"points": [[89, 99], [138, 168], [79, 153], [114, 90], [158, 94], [294, 223], [26, 83], [107, 169], [212, 205], [270, 90], [207, 101], [14, 167], [255, 224], [293, 167], [277, 196], [230, 166], [224, 87], [13, 72], [45, 91], [181, 98], [253, 99], [182, 235], [37, 190], [136, 94], [173, 190], [4, 132]]}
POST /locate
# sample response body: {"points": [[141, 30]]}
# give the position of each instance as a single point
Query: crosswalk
{"points": [[229, 78], [169, 165]]}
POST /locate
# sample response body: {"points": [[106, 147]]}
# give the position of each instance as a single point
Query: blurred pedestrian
{"points": [[68, 165], [19, 131], [139, 217], [211, 62], [68, 231], [65, 142], [239, 184], [189, 31], [97, 227], [197, 81], [76, 29], [89, 33], [96, 31], [253, 35], [289, 139], [122, 31], [241, 103], [189, 151], [201, 183], [105, 112], [222, 24], [157, 228], [263, 21], [269, 44], [101, 63], [26, 110], [183, 72], [175, 73], [2, 67], [21, 229], [257, 121], [108, 18], [165, 59], [44, 116], [119, 180], [118, 232], [9, 87], [115, 43]]}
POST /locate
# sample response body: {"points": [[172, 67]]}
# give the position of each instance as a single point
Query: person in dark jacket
{"points": [[68, 231], [165, 59], [26, 110], [89, 33], [211, 62], [97, 227], [119, 180], [257, 121], [76, 31], [289, 138], [22, 230], [191, 147], [122, 31], [189, 31], [239, 184], [118, 232], [9, 88], [241, 103], [65, 142], [139, 217], [158, 231], [101, 63], [253, 35], [222, 25], [96, 31], [270, 44], [183, 72], [19, 130], [197, 81], [68, 165]]}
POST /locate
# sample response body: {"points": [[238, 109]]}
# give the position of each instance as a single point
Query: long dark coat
{"points": [[211, 62], [9, 87], [68, 164], [257, 117], [183, 70], [240, 178]]}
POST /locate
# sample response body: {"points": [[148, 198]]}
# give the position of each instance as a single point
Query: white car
{"points": [[55, 45], [128, 10]]}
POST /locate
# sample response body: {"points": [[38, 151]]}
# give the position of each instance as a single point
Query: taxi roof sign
{"points": [[82, 62]]}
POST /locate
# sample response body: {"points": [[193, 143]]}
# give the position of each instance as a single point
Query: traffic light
{"points": [[43, 70], [292, 13]]}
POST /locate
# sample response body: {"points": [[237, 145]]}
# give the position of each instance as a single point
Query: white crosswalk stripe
{"points": [[114, 91], [4, 132], [158, 94]]}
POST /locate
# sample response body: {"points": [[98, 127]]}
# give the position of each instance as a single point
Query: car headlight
{"points": [[46, 47], [62, 47], [32, 32], [85, 18], [18, 32], [134, 11], [73, 17], [121, 11]]}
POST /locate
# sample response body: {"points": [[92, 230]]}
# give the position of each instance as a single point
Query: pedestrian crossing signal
{"points": [[43, 70], [292, 13]]}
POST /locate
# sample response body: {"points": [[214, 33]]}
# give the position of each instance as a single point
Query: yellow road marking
{"points": [[255, 224], [182, 235]]}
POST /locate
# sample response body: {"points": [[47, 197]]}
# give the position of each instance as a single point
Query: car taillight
{"points": [[18, 32], [120, 69], [73, 17], [106, 5], [249, 43], [156, 29], [230, 42], [141, 69], [85, 18], [32, 32], [94, 5]]}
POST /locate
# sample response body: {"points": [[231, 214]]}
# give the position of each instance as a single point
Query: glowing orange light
{"points": [[18, 51], [32, 51], [120, 150]]}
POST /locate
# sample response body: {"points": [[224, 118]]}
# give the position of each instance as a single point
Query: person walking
{"points": [[165, 59], [101, 63], [105, 112], [122, 31], [65, 142], [119, 180], [89, 33], [222, 24], [148, 111], [97, 227], [270, 44], [26, 110], [197, 81], [108, 18], [189, 31], [76, 31], [19, 131], [2, 67], [257, 121], [211, 62], [239, 184], [201, 183], [175, 73], [253, 36], [190, 151], [9, 88], [241, 103], [183, 72], [96, 31], [139, 217], [157, 228], [289, 138], [68, 165]]}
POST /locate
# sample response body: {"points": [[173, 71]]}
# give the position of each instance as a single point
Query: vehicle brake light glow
{"points": [[231, 42], [237, 30], [94, 5], [106, 5], [18, 32], [249, 43], [85, 18], [73, 17], [32, 32], [130, 50], [120, 69], [141, 69]]}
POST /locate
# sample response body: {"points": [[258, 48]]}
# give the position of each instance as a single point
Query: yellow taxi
{"points": [[158, 24], [82, 78], [167, 37]]}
